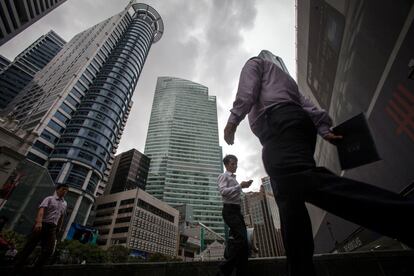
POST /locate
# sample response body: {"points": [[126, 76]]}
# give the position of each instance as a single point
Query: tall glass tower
{"points": [[21, 71], [79, 103], [183, 144]]}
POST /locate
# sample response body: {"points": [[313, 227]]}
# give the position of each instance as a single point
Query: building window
{"points": [[122, 220], [125, 210], [36, 159], [61, 117], [106, 205], [127, 201], [42, 147], [49, 136], [120, 230], [56, 127]]}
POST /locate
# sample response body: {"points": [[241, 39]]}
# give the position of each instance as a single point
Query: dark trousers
{"points": [[47, 238], [288, 160], [236, 247]]}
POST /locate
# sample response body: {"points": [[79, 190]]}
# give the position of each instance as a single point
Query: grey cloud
{"points": [[203, 42]]}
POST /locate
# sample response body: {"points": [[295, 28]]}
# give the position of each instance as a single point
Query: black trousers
{"points": [[237, 246], [47, 238], [288, 160]]}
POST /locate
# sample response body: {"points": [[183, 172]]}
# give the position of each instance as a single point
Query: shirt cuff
{"points": [[323, 130], [234, 119]]}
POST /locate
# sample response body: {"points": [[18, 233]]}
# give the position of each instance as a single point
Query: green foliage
{"points": [[76, 252], [133, 259], [14, 238], [118, 254], [158, 257]]}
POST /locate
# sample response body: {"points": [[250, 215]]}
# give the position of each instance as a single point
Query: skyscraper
{"points": [[3, 62], [129, 171], [15, 16], [21, 71], [183, 144], [353, 57], [79, 103], [261, 213]]}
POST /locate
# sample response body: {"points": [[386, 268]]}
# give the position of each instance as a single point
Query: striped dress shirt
{"points": [[229, 188], [262, 86]]}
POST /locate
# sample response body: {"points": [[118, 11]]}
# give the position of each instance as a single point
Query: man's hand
{"points": [[332, 138], [246, 184], [229, 131], [37, 227]]}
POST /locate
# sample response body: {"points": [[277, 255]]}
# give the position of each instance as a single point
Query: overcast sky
{"points": [[206, 41]]}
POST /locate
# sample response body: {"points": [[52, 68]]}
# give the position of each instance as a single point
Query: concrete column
{"points": [[87, 178], [87, 214], [72, 216], [64, 172]]}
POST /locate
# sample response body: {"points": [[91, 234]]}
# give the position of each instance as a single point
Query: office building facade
{"points": [[3, 62], [15, 16], [79, 103], [17, 74], [182, 142], [353, 57], [261, 213], [138, 221], [129, 171]]}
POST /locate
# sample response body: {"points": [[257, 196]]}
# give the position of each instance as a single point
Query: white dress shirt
{"points": [[229, 188]]}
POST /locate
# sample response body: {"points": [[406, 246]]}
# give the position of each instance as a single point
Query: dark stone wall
{"points": [[381, 263]]}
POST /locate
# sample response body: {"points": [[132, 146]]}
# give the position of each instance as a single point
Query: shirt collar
{"points": [[230, 174], [56, 197]]}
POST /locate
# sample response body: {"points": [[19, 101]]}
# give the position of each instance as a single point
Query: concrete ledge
{"points": [[381, 263]]}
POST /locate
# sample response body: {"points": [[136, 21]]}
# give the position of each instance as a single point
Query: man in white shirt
{"points": [[237, 247], [48, 223]]}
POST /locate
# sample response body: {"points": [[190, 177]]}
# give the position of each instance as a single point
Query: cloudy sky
{"points": [[206, 41]]}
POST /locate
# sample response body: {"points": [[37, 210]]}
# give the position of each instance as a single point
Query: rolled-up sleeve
{"points": [[45, 203], [225, 191], [319, 117], [248, 90]]}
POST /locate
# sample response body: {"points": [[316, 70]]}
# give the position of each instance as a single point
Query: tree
{"points": [[14, 238], [158, 257], [75, 252], [118, 254]]}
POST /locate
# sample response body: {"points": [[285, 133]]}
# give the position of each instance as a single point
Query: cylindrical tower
{"points": [[86, 147]]}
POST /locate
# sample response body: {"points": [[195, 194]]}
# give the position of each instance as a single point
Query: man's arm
{"points": [[247, 94], [39, 219], [40, 214], [321, 120]]}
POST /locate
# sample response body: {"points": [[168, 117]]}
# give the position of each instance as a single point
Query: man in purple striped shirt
{"points": [[286, 124]]}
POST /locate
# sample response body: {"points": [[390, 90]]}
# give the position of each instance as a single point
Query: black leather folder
{"points": [[357, 147]]}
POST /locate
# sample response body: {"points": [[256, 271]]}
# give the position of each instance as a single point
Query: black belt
{"points": [[231, 205], [280, 105]]}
